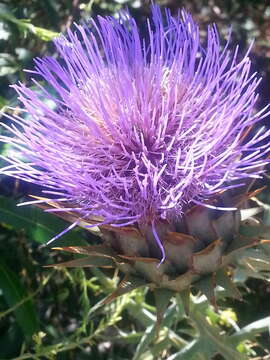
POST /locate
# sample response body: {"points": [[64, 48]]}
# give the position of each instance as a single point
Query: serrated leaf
{"points": [[213, 340], [13, 293]]}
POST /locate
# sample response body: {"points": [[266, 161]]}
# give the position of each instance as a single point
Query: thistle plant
{"points": [[154, 138]]}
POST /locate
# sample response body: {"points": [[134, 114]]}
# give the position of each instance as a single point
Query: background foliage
{"points": [[46, 313]]}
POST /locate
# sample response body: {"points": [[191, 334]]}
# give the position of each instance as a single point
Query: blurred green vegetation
{"points": [[44, 313]]}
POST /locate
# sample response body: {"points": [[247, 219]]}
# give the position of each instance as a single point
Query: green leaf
{"points": [[11, 342], [162, 299], [257, 231], [38, 225], [160, 347], [213, 341], [207, 286], [251, 330], [43, 34], [191, 351], [224, 281], [185, 298], [170, 315], [25, 26], [146, 339], [13, 293], [141, 314]]}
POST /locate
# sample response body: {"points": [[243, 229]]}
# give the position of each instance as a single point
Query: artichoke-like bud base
{"points": [[198, 257]]}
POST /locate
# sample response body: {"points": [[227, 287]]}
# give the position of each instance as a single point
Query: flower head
{"points": [[141, 127]]}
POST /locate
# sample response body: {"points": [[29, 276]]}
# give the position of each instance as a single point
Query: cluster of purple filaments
{"points": [[140, 128]]}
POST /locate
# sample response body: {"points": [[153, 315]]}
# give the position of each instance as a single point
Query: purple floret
{"points": [[141, 128]]}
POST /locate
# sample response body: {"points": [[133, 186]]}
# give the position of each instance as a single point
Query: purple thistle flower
{"points": [[141, 128]]}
